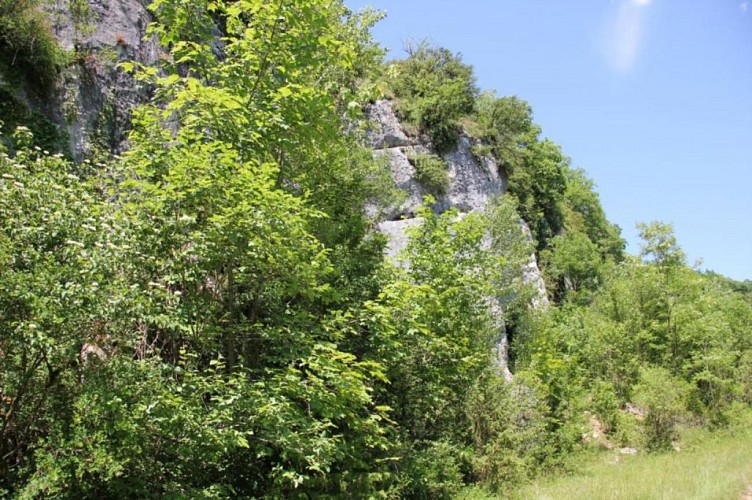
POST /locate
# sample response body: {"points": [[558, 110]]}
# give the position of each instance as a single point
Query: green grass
{"points": [[708, 467]]}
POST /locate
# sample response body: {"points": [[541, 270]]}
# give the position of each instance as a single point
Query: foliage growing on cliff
{"points": [[434, 89], [30, 59], [27, 45], [535, 167], [430, 171], [15, 113]]}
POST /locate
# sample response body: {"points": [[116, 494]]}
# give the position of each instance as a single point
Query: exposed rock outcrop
{"points": [[473, 181], [532, 275], [91, 100], [397, 232], [385, 130], [97, 96]]}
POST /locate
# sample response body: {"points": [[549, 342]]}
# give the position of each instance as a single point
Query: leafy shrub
{"points": [[508, 425], [430, 171], [60, 255], [628, 430], [433, 472], [505, 124], [663, 397], [434, 89], [26, 44], [606, 404], [745, 374]]}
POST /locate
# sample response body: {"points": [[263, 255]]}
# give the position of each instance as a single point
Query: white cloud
{"points": [[744, 6], [624, 33]]}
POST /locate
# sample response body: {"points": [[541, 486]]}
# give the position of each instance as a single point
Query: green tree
{"points": [[660, 245], [535, 167], [508, 423], [574, 264], [465, 273], [241, 322], [506, 125], [449, 338], [584, 213]]}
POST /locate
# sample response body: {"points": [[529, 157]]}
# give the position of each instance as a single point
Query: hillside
{"points": [[241, 254]]}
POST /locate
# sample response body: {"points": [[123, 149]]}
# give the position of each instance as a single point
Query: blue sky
{"points": [[652, 97]]}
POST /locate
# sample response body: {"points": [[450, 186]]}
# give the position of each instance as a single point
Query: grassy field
{"points": [[708, 467]]}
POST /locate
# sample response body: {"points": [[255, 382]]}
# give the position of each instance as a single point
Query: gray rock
{"points": [[501, 344], [385, 130], [92, 99], [403, 174], [473, 181], [397, 231], [115, 23], [532, 275], [104, 94]]}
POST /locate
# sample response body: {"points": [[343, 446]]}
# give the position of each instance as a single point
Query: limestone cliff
{"points": [[97, 95], [473, 182]]}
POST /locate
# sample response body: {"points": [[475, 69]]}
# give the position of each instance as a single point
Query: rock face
{"points": [[473, 182], [89, 105], [385, 131], [110, 23], [97, 97], [532, 275], [397, 231]]}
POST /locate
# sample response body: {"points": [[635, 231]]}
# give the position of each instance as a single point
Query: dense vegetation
{"points": [[26, 44], [211, 315], [30, 61]]}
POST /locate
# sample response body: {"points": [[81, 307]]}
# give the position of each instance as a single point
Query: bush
{"points": [[508, 423], [663, 397], [745, 375], [628, 431], [430, 171], [433, 472], [26, 44], [606, 404], [434, 89]]}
